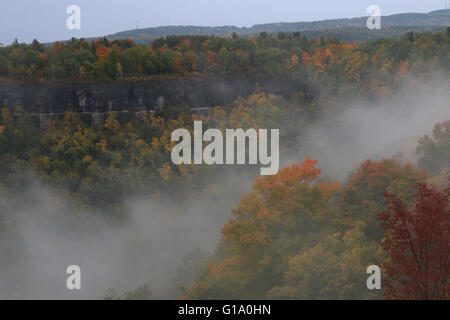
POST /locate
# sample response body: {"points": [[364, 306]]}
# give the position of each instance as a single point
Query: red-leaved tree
{"points": [[417, 244]]}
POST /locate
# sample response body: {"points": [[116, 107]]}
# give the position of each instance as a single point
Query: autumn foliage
{"points": [[297, 234], [286, 242], [327, 64], [417, 245], [363, 195]]}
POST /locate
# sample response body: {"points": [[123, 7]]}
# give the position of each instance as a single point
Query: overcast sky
{"points": [[46, 19]]}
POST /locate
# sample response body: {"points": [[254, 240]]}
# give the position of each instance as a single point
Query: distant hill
{"points": [[353, 29]]}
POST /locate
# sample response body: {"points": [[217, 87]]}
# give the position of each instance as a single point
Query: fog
{"points": [[358, 130], [47, 232], [145, 247]]}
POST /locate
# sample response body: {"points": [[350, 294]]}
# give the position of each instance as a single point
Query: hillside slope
{"points": [[353, 29]]}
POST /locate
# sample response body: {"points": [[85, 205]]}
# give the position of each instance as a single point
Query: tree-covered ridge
{"points": [[350, 30], [327, 63]]}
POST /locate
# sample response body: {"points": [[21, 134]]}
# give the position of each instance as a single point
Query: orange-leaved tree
{"points": [[289, 220], [278, 219]]}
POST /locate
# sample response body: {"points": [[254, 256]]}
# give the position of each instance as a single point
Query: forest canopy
{"points": [[287, 55], [299, 234]]}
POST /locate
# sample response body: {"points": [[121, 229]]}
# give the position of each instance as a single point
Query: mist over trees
{"points": [[160, 230]]}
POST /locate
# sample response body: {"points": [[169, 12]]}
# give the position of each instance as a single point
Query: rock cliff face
{"points": [[96, 99], [58, 97]]}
